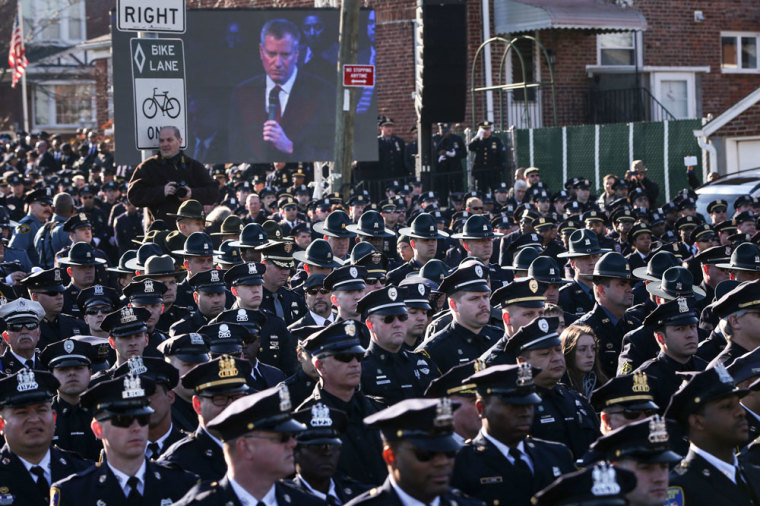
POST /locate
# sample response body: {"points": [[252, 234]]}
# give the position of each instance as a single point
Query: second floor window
{"points": [[54, 22], [738, 52]]}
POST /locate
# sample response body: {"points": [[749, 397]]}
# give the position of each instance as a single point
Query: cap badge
{"points": [[533, 285], [543, 325], [252, 268], [214, 275], [224, 330], [479, 365], [524, 375], [68, 346], [640, 382], [679, 285], [82, 217], [723, 374], [26, 380], [205, 245], [605, 481], [551, 271], [320, 416], [432, 228], [56, 275], [136, 366], [485, 228], [392, 293], [421, 289], [196, 339], [227, 367], [285, 404], [658, 432], [350, 328], [98, 289], [148, 286], [683, 305], [21, 302], [241, 315], [376, 225], [444, 414], [132, 387], [88, 255], [479, 271], [353, 272], [127, 315]]}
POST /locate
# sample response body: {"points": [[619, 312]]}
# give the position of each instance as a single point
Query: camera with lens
{"points": [[181, 190]]}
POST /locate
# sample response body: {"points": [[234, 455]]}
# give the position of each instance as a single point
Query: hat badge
{"points": [[148, 286], [658, 432], [683, 306], [88, 254], [241, 315], [533, 285], [353, 272], [587, 242], [723, 374], [252, 268], [82, 217], [57, 275], [392, 293], [432, 228], [485, 228], [543, 325], [320, 416], [679, 285], [21, 302], [136, 366], [640, 382], [132, 387], [605, 481], [524, 375], [224, 331], [68, 346], [350, 328], [444, 414], [421, 289], [227, 367], [26, 380], [284, 393], [127, 315], [479, 271], [196, 339], [97, 289]]}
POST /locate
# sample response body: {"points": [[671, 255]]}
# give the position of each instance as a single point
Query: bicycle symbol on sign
{"points": [[160, 102]]}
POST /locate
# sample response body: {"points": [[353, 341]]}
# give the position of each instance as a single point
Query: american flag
{"points": [[16, 56]]}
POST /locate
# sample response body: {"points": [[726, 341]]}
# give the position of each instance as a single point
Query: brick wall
{"points": [[746, 124]]}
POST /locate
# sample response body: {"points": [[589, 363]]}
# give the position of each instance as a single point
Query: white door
{"points": [[748, 154], [677, 94]]}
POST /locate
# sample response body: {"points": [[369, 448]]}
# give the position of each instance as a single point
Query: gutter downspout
{"points": [[486, 16]]}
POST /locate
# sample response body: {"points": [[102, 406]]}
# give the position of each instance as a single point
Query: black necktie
{"points": [[133, 498], [42, 483], [154, 449], [521, 467], [278, 306], [30, 364]]}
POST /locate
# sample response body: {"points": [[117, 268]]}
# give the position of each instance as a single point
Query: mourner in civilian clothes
{"points": [[337, 354], [745, 371], [95, 303], [707, 408], [80, 264], [744, 264], [335, 231], [161, 268], [423, 237], [317, 454], [163, 378], [468, 335], [214, 385], [22, 333], [503, 461], [318, 303], [583, 253], [184, 352], [209, 294], [739, 313], [148, 294], [45, 287], [124, 475], [278, 300], [39, 202], [390, 372], [675, 329], [416, 295], [624, 399], [563, 416], [70, 362], [643, 448], [30, 462], [127, 333]]}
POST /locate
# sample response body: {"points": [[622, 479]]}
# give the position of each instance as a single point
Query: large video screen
{"points": [[261, 87]]}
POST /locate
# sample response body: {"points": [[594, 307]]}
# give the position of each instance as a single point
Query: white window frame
{"points": [[638, 53], [51, 105], [33, 10], [738, 69]]}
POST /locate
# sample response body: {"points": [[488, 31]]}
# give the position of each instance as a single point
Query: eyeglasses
{"points": [[387, 319], [372, 281], [96, 310], [348, 357], [314, 291], [281, 438], [477, 208], [321, 447], [50, 293], [16, 327], [125, 421], [222, 400], [427, 455]]}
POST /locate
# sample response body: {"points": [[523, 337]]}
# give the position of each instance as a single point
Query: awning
{"points": [[518, 16]]}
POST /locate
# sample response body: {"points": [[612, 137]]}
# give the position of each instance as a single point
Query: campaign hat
{"points": [[583, 242], [230, 255], [745, 257], [371, 224], [335, 225], [423, 227], [81, 254], [197, 244], [477, 226], [251, 236], [319, 253], [545, 269], [143, 253], [158, 266], [676, 282]]}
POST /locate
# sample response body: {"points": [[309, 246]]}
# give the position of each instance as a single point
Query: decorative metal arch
{"points": [[510, 44]]}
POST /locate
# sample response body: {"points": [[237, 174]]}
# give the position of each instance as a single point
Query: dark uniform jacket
{"points": [[183, 415], [565, 416], [483, 472], [265, 376], [386, 496], [62, 327], [574, 299], [126, 228], [360, 455], [9, 364], [490, 153], [293, 306], [73, 432], [174, 314], [221, 493], [198, 454], [175, 434], [17, 486], [698, 483], [455, 345], [610, 336], [394, 377], [300, 385], [399, 273], [345, 488], [663, 378], [70, 306], [98, 485], [731, 352], [390, 154]]}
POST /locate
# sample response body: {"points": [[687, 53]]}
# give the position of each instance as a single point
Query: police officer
{"points": [[469, 334], [477, 238], [738, 310], [506, 399], [214, 385], [95, 303], [390, 149], [198, 253], [390, 372], [161, 268], [125, 475], [583, 253], [707, 408], [22, 333], [257, 435], [29, 461], [127, 334], [209, 294], [70, 361], [490, 155], [39, 202], [148, 294], [424, 236], [80, 264], [277, 299], [335, 231], [624, 399], [252, 236]]}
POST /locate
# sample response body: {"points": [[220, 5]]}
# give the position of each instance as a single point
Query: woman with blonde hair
{"points": [[581, 349]]}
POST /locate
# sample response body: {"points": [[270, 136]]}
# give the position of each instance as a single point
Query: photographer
{"points": [[163, 181]]}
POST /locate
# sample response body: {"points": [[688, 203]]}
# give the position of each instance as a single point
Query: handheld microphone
{"points": [[272, 111]]}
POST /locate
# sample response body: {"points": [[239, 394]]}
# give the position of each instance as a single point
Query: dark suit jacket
{"points": [[385, 495], [19, 482], [308, 120], [222, 493], [701, 484]]}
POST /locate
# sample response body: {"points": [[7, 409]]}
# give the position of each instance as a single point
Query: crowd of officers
{"points": [[255, 346]]}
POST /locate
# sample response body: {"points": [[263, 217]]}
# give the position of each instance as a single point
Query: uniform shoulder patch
{"points": [[23, 228], [626, 368], [675, 496]]}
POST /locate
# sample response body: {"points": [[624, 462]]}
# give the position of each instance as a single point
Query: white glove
{"points": [[451, 153], [96, 240], [481, 132], [441, 158]]}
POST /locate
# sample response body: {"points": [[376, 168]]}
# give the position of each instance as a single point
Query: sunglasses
{"points": [[387, 319], [281, 438], [372, 281], [125, 421], [16, 327], [427, 455], [96, 310], [348, 357], [477, 208], [635, 414], [314, 291], [50, 293]]}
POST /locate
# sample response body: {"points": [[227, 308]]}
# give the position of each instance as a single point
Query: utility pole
{"points": [[345, 103]]}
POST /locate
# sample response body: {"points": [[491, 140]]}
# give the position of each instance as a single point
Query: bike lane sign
{"points": [[158, 81]]}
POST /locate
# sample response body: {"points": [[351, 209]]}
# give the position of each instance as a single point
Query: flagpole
{"points": [[23, 76]]}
